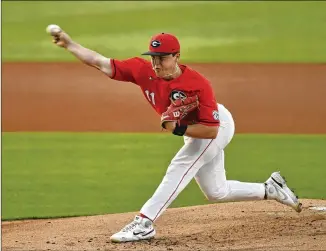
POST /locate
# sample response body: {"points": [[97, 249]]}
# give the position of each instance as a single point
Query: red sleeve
{"points": [[127, 70], [208, 111]]}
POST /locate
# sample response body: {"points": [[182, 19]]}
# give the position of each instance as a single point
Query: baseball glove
{"points": [[179, 109]]}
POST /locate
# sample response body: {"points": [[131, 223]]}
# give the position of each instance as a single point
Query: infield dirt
{"points": [[263, 98], [261, 225]]}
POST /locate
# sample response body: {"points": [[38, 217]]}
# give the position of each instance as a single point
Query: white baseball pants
{"points": [[202, 159]]}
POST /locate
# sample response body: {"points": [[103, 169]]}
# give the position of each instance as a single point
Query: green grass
{"points": [[69, 174], [257, 31]]}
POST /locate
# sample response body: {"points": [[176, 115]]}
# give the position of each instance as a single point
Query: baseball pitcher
{"points": [[185, 102]]}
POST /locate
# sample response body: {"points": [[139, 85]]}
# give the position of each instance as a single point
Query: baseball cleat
{"points": [[277, 189], [139, 229]]}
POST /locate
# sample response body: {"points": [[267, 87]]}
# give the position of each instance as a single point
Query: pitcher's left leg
{"points": [[184, 166], [182, 169]]}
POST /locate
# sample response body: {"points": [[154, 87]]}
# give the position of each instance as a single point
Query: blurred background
{"points": [[77, 143]]}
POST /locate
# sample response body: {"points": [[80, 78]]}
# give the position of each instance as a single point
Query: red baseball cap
{"points": [[163, 44]]}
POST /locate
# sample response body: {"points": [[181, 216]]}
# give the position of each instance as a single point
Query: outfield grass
{"points": [[257, 31], [66, 174]]}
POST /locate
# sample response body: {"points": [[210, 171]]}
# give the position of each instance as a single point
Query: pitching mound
{"points": [[261, 225]]}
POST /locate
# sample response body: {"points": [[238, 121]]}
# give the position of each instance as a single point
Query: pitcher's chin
{"points": [[159, 73], [164, 75]]}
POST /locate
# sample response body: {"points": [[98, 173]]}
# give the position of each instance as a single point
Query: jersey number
{"points": [[150, 96]]}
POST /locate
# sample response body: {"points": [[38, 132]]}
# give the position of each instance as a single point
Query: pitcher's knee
{"points": [[220, 195]]}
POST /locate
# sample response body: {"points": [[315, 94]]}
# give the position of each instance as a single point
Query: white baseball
{"points": [[53, 29]]}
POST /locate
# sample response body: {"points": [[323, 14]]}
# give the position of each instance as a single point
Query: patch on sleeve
{"points": [[216, 115]]}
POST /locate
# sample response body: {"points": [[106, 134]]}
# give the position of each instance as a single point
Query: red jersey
{"points": [[158, 91]]}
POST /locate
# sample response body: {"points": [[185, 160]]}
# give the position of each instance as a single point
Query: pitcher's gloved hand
{"points": [[179, 109]]}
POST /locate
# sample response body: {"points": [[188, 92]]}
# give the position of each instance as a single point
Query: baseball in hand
{"points": [[53, 29]]}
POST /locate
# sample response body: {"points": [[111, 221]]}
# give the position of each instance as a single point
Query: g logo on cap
{"points": [[155, 43]]}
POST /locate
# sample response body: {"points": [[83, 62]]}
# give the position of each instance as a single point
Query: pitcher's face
{"points": [[165, 66]]}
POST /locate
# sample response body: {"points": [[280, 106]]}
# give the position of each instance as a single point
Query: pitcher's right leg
{"points": [[211, 179]]}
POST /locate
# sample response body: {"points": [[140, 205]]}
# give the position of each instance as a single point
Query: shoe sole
{"points": [[147, 236], [122, 241], [281, 183]]}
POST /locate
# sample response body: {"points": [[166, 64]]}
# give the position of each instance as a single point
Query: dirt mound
{"points": [[261, 225]]}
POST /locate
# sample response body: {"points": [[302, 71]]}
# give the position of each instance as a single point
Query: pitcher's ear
{"points": [[178, 56]]}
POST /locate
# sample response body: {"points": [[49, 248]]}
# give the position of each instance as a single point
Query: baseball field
{"points": [[82, 153]]}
